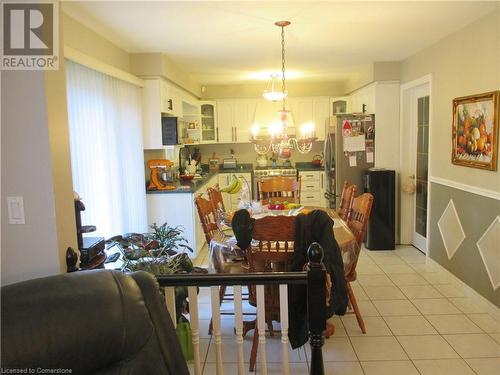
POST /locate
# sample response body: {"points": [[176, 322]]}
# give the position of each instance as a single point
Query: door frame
{"points": [[407, 209]]}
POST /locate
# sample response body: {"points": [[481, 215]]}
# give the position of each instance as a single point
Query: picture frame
{"points": [[475, 130]]}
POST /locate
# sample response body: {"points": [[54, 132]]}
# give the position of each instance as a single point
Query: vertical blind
{"points": [[107, 158]]}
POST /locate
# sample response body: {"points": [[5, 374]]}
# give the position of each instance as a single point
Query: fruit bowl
{"points": [[187, 177]]}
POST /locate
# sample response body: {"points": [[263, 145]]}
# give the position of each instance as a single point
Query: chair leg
{"points": [[355, 307], [255, 347], [222, 293]]}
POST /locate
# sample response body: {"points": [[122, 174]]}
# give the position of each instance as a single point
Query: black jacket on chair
{"points": [[317, 226], [92, 322]]}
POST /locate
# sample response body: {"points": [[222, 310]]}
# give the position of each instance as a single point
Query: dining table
{"points": [[225, 257]]}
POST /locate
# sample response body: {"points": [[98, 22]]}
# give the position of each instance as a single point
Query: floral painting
{"points": [[475, 130]]}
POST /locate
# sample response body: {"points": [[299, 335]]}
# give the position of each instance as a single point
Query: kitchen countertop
{"points": [[193, 186], [308, 166]]}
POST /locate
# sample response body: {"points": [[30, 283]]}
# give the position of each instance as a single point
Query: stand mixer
{"points": [[158, 168]]}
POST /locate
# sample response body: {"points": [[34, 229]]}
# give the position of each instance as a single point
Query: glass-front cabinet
{"points": [[340, 105], [208, 122]]}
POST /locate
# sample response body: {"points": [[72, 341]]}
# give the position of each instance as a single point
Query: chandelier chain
{"points": [[283, 85]]}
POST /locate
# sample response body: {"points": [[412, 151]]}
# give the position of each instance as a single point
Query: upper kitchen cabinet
{"points": [[234, 120], [208, 122], [340, 105], [311, 109], [363, 100]]}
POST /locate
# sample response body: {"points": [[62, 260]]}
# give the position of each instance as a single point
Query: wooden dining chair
{"points": [[272, 253], [279, 189], [357, 222], [215, 197], [346, 200], [215, 239]]}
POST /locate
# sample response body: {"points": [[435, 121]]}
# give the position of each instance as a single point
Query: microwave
{"points": [[169, 131]]}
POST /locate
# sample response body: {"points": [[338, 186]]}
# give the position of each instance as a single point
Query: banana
{"points": [[231, 186], [238, 186]]}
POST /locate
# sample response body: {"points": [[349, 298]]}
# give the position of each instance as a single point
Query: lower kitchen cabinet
{"points": [[312, 188], [179, 209]]}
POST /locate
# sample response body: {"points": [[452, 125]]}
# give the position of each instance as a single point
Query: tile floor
{"points": [[419, 318]]}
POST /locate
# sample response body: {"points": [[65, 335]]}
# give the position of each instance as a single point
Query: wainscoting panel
{"points": [[473, 257]]}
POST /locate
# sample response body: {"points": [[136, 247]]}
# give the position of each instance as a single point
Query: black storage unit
{"points": [[380, 233], [169, 131]]}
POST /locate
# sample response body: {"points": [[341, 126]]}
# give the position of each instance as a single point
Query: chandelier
{"points": [[278, 140]]}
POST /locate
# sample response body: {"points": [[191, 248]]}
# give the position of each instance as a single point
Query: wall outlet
{"points": [[16, 210]]}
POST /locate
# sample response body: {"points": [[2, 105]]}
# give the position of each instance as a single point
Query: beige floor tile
{"points": [[384, 292], [496, 337], [335, 349], [439, 278], [414, 259], [277, 368], [339, 326], [431, 306], [374, 280], [485, 322], [375, 326], [396, 268], [451, 324], [420, 291], [428, 267], [379, 253], [378, 348], [452, 290], [443, 367], [367, 308], [389, 260], [395, 307], [343, 368], [389, 367], [359, 293], [427, 347], [474, 345], [484, 366], [407, 250], [227, 368], [369, 269], [401, 279], [409, 325], [470, 305]]}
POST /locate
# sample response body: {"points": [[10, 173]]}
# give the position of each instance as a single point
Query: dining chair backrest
{"points": [[207, 216], [275, 236], [275, 189], [360, 214], [346, 200], [215, 196]]}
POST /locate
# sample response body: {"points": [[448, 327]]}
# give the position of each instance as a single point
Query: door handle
{"points": [[217, 132], [235, 134], [412, 177]]}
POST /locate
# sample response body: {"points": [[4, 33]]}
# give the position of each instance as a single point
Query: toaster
{"points": [[229, 163]]}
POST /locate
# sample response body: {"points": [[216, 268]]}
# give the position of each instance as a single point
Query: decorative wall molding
{"points": [[450, 227], [468, 188], [490, 251]]}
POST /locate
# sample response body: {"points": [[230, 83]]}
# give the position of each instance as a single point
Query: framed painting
{"points": [[475, 131]]}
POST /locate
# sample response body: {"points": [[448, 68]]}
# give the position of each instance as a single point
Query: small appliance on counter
{"points": [[229, 163], [161, 174], [91, 248]]}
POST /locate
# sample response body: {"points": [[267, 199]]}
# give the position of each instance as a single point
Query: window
{"points": [[107, 158]]}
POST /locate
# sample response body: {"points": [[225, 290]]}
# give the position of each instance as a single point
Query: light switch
{"points": [[16, 210]]}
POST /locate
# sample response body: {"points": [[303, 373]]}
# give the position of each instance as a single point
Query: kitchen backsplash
{"points": [[244, 152]]}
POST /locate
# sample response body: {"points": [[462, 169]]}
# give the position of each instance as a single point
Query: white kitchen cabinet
{"points": [[234, 120], [311, 109], [179, 209], [208, 112], [151, 114], [312, 188]]}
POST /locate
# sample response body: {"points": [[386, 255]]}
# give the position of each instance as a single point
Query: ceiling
{"points": [[234, 42]]}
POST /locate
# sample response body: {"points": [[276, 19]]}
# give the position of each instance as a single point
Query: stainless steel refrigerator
{"points": [[349, 151]]}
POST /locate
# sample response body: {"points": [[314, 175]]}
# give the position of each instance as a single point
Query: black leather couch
{"points": [[92, 322]]}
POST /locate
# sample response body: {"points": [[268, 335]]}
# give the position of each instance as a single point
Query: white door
{"points": [[418, 111]]}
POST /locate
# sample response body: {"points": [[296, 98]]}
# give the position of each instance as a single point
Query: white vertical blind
{"points": [[107, 158]]}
